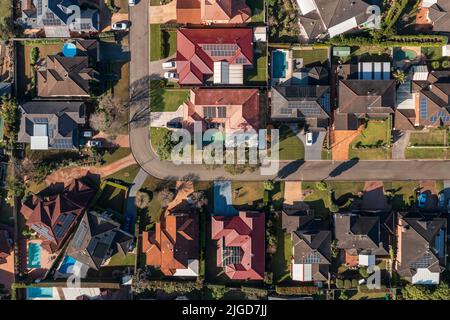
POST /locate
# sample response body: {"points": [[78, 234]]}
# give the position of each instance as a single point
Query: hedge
{"points": [[259, 292], [393, 41], [292, 291]]}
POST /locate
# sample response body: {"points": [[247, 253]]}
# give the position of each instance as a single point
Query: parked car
{"points": [[131, 3], [422, 200], [169, 65], [95, 143], [309, 138], [441, 202], [174, 125], [121, 25], [171, 75], [87, 134]]}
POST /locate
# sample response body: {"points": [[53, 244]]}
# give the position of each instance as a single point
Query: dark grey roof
{"points": [[97, 238], [439, 14], [293, 219]]}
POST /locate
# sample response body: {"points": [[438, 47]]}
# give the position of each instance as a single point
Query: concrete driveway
{"points": [[313, 152], [160, 119]]}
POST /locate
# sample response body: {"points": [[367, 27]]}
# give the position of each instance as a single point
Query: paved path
{"points": [[131, 205], [160, 119], [313, 152], [400, 144]]}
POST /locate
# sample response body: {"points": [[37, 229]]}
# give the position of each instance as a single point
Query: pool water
{"points": [[67, 265], [223, 204], [279, 64], [34, 255], [35, 292], [69, 50], [404, 54]]}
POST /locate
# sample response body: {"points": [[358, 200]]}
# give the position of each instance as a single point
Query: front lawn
{"points": [[436, 137], [250, 193], [155, 42], [371, 144], [403, 193], [120, 89], [111, 156], [169, 42], [156, 134], [163, 99], [291, 147], [311, 58], [259, 71], [127, 174], [427, 153], [163, 42]]}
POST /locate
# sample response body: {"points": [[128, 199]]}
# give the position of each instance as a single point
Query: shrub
{"points": [[435, 64], [339, 283], [347, 284], [292, 291], [269, 185], [322, 186], [34, 55], [266, 197], [445, 64], [355, 283], [363, 272]]}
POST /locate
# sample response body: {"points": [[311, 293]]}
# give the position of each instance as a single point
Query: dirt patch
{"points": [[341, 140]]}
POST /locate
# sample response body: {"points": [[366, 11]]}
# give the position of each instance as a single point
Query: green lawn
{"points": [[169, 38], [259, 71], [115, 155], [432, 53], [250, 192], [127, 174], [120, 89], [312, 57], [427, 153], [155, 42], [281, 259], [163, 99], [436, 137], [257, 7], [291, 147], [5, 10], [375, 132], [120, 260], [403, 193], [156, 134]]}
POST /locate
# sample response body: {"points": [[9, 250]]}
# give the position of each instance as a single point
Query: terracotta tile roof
{"points": [[242, 108], [244, 235], [195, 62], [212, 11], [188, 11]]}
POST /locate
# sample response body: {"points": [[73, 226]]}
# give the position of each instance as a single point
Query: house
{"points": [[98, 238], [421, 247], [311, 251], [51, 124], [333, 17], [229, 110], [65, 76], [292, 218], [216, 56], [240, 245], [212, 11], [54, 217], [363, 237], [433, 15], [360, 99], [57, 17], [308, 105]]}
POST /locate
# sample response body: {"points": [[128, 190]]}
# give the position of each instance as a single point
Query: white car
{"points": [[309, 138], [94, 143], [121, 25], [131, 3], [169, 65], [171, 75]]}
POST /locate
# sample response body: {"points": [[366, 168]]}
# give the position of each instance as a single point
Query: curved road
{"points": [[140, 75]]}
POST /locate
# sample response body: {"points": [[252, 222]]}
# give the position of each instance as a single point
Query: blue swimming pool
{"points": [[69, 50], [34, 255], [67, 265], [223, 204], [279, 64], [35, 292]]}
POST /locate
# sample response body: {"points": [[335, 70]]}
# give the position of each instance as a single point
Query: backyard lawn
{"points": [[257, 7], [120, 260], [291, 147], [112, 197], [259, 71], [312, 57], [163, 99], [376, 132], [281, 259], [432, 53]]}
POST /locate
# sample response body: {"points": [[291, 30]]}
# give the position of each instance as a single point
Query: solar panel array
{"points": [[307, 108], [423, 262], [312, 258], [325, 102], [241, 60], [63, 224], [231, 255], [39, 7], [40, 120], [51, 20], [285, 111], [215, 112], [423, 107], [62, 144], [80, 235]]}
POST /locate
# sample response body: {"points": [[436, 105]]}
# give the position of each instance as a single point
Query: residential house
{"points": [[308, 105], [240, 245], [51, 124], [319, 18], [213, 11], [58, 17], [433, 15], [217, 56], [421, 247], [363, 237], [229, 110], [98, 238], [54, 217]]}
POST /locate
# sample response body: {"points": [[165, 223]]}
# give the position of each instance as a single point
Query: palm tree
{"points": [[399, 76]]}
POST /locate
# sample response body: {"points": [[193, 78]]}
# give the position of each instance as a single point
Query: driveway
{"points": [[160, 119], [164, 13], [156, 70], [341, 141], [313, 152], [131, 206], [401, 140]]}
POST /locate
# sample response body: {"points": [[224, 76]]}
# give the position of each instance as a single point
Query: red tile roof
{"points": [[195, 63], [247, 232]]}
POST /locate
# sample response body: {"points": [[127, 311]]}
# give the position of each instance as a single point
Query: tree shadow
{"points": [[343, 168], [289, 169]]}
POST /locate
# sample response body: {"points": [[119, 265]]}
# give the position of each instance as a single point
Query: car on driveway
{"points": [[309, 139], [174, 125], [95, 143], [131, 3], [171, 75], [422, 200], [120, 26], [169, 65]]}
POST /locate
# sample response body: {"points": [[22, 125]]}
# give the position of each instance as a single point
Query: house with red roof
{"points": [[229, 110], [217, 56], [240, 244], [54, 217]]}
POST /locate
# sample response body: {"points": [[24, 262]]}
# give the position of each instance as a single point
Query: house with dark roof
{"points": [[360, 99], [311, 247], [363, 237], [433, 15], [240, 245], [308, 105], [51, 124], [229, 110], [292, 218], [54, 217], [98, 238], [218, 56], [421, 247], [319, 18], [213, 11], [57, 17]]}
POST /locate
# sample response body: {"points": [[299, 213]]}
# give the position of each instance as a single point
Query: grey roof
{"points": [[300, 102], [293, 219], [439, 14], [63, 119], [361, 233], [97, 238], [422, 243]]}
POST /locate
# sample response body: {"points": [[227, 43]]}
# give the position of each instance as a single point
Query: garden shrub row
{"points": [[292, 291]]}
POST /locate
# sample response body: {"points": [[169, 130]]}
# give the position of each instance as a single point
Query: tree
{"points": [[14, 187], [218, 292], [165, 196], [363, 272], [424, 292], [34, 55], [322, 186], [142, 200], [109, 114], [199, 199], [334, 249], [98, 121], [165, 145], [334, 207], [269, 185], [11, 116], [399, 76], [343, 295]]}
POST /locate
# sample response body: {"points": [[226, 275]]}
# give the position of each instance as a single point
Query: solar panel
{"points": [[325, 102], [312, 258], [433, 119], [63, 144], [423, 262], [79, 235], [285, 111], [423, 107], [231, 255], [39, 7], [241, 60]]}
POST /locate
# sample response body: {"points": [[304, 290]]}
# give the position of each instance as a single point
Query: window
{"points": [[221, 112]]}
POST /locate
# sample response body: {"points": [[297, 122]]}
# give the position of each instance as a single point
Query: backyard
{"points": [[164, 99], [372, 143], [311, 57], [259, 71], [257, 7], [291, 147], [112, 196]]}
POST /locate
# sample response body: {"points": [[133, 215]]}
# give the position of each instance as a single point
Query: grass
{"points": [[404, 193], [169, 38], [115, 155], [312, 57], [163, 43], [291, 147], [155, 2], [250, 193], [127, 174], [259, 71], [120, 260], [281, 259], [156, 134], [432, 53], [436, 137], [257, 7], [5, 10], [162, 99], [427, 153], [112, 198], [121, 89], [375, 132], [155, 42]]}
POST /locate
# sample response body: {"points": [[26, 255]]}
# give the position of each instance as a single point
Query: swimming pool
{"points": [[67, 265], [34, 255], [223, 204], [279, 64], [36, 292], [404, 54]]}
